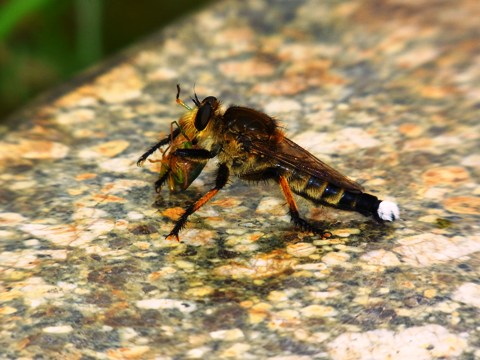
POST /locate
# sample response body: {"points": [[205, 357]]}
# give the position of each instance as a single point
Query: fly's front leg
{"points": [[293, 210], [220, 181], [195, 154], [157, 146]]}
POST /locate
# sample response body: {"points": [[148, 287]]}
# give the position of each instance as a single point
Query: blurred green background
{"points": [[45, 42]]}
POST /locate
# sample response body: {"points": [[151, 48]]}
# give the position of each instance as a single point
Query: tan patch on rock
{"points": [[428, 249], [463, 205], [410, 130], [121, 84], [246, 69], [107, 149], [260, 266], [445, 175], [33, 149], [85, 176], [301, 249], [173, 213], [69, 234]]}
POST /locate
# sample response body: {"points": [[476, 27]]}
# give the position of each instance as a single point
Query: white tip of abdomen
{"points": [[388, 211]]}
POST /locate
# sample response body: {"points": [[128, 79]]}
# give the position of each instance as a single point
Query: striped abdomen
{"points": [[325, 193]]}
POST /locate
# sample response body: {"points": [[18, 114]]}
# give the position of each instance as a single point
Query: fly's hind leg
{"points": [[220, 181], [293, 210]]}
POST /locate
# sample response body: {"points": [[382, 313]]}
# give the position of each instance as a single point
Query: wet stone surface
{"points": [[386, 93]]}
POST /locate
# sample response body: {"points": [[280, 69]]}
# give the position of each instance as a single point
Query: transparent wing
{"points": [[293, 156]]}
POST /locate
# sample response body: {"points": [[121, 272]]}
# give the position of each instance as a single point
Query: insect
{"points": [[250, 145], [177, 171]]}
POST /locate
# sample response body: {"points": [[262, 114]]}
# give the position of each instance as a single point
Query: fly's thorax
{"points": [[242, 162], [211, 138], [230, 154], [205, 140]]}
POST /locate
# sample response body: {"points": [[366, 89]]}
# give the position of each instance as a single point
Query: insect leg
{"points": [[158, 145], [293, 209], [159, 183], [199, 154], [180, 101], [220, 181]]}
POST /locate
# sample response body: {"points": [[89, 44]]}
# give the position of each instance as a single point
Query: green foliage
{"points": [[12, 12], [45, 42]]}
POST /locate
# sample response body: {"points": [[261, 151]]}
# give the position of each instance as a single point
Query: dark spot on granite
{"points": [[144, 230], [149, 288], [415, 301], [99, 298], [443, 223], [225, 316], [119, 242], [403, 321], [116, 275], [227, 254], [189, 251], [96, 257], [464, 267]]}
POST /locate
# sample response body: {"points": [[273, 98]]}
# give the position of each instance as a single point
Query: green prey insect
{"points": [[177, 171]]}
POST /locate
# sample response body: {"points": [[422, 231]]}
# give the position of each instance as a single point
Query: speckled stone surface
{"points": [[387, 92]]}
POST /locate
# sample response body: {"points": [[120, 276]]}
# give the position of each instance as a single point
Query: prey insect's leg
{"points": [[220, 181], [158, 145], [293, 210], [159, 183], [180, 101]]}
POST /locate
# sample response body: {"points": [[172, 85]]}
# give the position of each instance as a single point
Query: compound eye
{"points": [[204, 113], [212, 100]]}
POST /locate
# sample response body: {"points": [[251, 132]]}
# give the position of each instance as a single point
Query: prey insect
{"points": [[250, 145], [177, 171]]}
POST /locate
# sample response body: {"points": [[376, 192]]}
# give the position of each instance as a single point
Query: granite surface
{"points": [[388, 92]]}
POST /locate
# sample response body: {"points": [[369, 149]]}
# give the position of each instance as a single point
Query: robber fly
{"points": [[179, 172], [249, 144]]}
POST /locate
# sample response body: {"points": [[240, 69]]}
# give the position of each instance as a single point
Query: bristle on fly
{"points": [[388, 211]]}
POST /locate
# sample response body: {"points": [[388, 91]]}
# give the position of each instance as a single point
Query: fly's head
{"points": [[202, 122]]}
